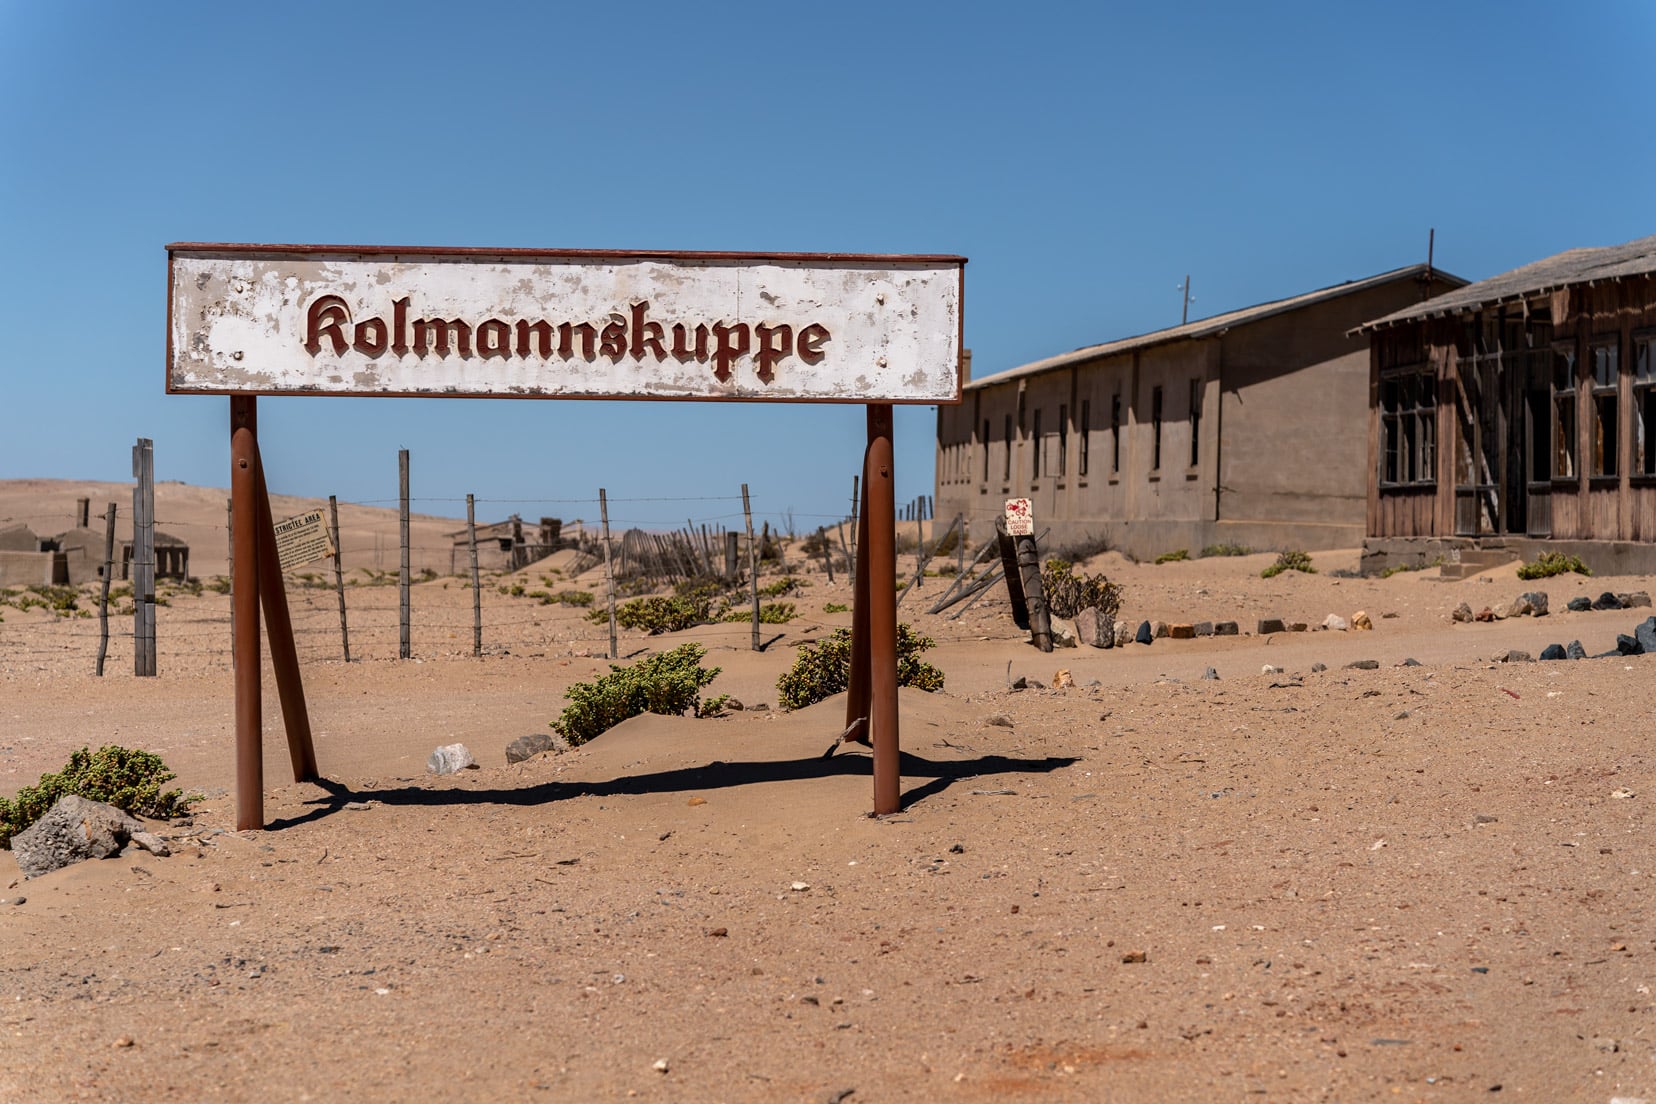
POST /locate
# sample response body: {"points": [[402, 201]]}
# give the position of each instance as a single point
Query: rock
{"points": [[1517, 655], [998, 720], [1553, 651], [1268, 625], [1463, 613], [1182, 632], [450, 758], [1607, 601], [1537, 600], [1574, 650], [1410, 661], [1123, 633], [734, 705], [1318, 668], [1628, 645], [1298, 626], [1144, 635], [1335, 623], [74, 830], [1063, 680], [1518, 607], [1579, 605], [1645, 634], [1363, 665], [1158, 629], [1210, 673], [1635, 600], [660, 1065], [1203, 628], [527, 747], [1270, 670], [1134, 957], [152, 843], [1092, 630], [1360, 621], [1484, 818], [1485, 614], [1225, 628]]}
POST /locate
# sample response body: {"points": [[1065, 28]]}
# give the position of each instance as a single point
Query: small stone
{"points": [[124, 1041], [1145, 634], [1634, 600], [694, 801], [1226, 628], [1268, 669], [1607, 601], [1158, 629], [1363, 665], [1335, 623], [1605, 1045], [1062, 679], [1318, 668], [1574, 650], [1537, 600], [71, 831], [1519, 607], [1203, 628], [1622, 794], [659, 1065], [1553, 651], [1268, 625], [1463, 613], [1628, 645], [12, 900], [1181, 631], [998, 720], [1092, 630], [1402, 715], [1131, 957], [1409, 661], [800, 887], [1123, 632], [718, 933], [450, 758], [1484, 818], [1298, 626], [1517, 655], [1360, 621], [1210, 673], [1579, 605], [1485, 614], [1063, 634], [1645, 634], [527, 747]]}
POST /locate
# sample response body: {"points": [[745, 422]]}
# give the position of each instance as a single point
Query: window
{"points": [[1006, 472], [1035, 453], [1408, 426], [986, 450], [1155, 428], [1063, 440], [1644, 406], [1606, 370], [1564, 412], [1086, 425], [1115, 434], [1195, 421]]}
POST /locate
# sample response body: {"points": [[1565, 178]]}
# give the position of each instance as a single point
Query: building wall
{"points": [[27, 568]]}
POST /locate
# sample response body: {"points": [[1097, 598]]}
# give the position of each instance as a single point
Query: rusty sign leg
{"points": [[880, 522], [284, 655], [244, 602]]}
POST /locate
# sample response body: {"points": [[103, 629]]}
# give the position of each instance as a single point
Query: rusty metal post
{"points": [[284, 654], [880, 521], [856, 696], [244, 601]]}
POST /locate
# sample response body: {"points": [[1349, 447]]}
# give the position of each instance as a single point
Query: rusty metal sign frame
{"points": [[256, 579]]}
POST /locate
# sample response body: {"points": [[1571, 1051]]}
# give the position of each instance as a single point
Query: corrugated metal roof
{"points": [[1207, 327], [1573, 266]]}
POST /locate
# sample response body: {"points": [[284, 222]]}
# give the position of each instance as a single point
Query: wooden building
{"points": [[1519, 413], [504, 545], [1246, 428]]}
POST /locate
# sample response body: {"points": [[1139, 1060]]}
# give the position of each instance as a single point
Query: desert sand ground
{"points": [[1422, 882]]}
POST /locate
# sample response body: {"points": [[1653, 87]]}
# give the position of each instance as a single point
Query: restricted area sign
{"points": [[302, 539], [1020, 518]]}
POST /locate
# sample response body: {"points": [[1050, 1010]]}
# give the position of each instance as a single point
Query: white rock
{"points": [[450, 758], [1335, 623]]}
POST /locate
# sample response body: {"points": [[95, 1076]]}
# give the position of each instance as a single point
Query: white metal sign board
{"points": [[1020, 518], [352, 320]]}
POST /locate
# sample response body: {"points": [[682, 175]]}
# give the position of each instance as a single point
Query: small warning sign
{"points": [[1020, 518], [302, 539]]}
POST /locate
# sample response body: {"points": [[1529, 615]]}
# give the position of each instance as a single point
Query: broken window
{"points": [[1063, 440], [1408, 426], [1644, 405], [1606, 371], [1564, 412], [1040, 446], [1115, 434], [1195, 421], [1086, 426], [1156, 428]]}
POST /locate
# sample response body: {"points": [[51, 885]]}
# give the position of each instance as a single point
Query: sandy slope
{"points": [[1410, 883]]}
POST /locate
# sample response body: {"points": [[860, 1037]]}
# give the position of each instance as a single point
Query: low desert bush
{"points": [[1548, 564], [1226, 550], [658, 614], [1068, 593], [824, 669], [1292, 560], [668, 684], [770, 613], [1178, 555], [128, 779]]}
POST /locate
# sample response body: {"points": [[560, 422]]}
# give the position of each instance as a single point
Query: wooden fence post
{"points": [[143, 558], [339, 575], [404, 637], [609, 573], [856, 502], [103, 599], [827, 553], [753, 565], [477, 593]]}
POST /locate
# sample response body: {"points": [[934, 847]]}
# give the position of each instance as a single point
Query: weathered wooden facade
{"points": [[1519, 408], [1243, 429]]}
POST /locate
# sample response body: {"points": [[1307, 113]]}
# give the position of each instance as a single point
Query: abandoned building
{"points": [[172, 557], [1518, 414], [503, 546], [1246, 428]]}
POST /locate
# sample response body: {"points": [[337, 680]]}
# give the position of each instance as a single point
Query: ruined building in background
{"points": [[1247, 428]]}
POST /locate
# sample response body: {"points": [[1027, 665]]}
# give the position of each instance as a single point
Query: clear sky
{"points": [[1083, 156]]}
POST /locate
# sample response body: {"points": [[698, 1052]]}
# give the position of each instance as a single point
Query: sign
{"points": [[302, 539], [1020, 518], [342, 320]]}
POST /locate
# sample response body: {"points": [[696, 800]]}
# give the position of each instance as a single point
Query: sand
{"points": [[1419, 882]]}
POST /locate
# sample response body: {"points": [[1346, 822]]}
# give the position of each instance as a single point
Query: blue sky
{"points": [[1084, 157]]}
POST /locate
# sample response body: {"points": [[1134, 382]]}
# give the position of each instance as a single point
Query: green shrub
{"points": [[127, 779], [770, 613], [1067, 593], [824, 669], [1398, 569], [1176, 556], [1548, 564], [785, 585], [1226, 550], [657, 614], [668, 684], [1292, 560], [582, 598], [834, 607]]}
